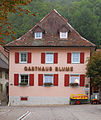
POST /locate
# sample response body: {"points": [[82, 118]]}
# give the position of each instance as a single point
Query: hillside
{"points": [[83, 15]]}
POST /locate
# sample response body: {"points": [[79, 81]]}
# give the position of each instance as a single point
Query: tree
{"points": [[86, 19], [94, 69], [11, 6]]}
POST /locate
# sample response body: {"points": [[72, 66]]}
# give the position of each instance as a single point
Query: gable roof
{"points": [[3, 65], [3, 51], [50, 26]]}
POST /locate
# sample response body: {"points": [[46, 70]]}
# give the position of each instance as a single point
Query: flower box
{"points": [[48, 84], [23, 83], [73, 84]]}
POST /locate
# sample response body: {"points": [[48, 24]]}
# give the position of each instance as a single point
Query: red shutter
{"points": [[55, 58], [16, 57], [40, 80], [66, 81], [31, 79], [55, 79], [68, 57], [82, 57], [16, 79], [42, 58], [82, 80], [29, 57]]}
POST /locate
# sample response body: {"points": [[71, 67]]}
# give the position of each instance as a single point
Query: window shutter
{"points": [[40, 80], [66, 81], [55, 58], [82, 80], [16, 57], [29, 57], [42, 58], [68, 57], [16, 79], [55, 79], [31, 79], [82, 57]]}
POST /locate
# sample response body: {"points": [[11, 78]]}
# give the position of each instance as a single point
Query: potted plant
{"points": [[48, 84], [23, 83], [86, 85], [73, 84]]}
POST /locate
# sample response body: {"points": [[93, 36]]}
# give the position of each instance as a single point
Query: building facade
{"points": [[3, 75], [48, 63]]}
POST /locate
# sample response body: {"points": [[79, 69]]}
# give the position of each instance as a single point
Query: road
{"points": [[63, 112]]}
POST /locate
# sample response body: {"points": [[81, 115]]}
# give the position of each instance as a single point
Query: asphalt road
{"points": [[63, 112]]}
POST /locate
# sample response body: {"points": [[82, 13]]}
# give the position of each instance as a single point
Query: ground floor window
{"points": [[48, 80], [24, 79]]}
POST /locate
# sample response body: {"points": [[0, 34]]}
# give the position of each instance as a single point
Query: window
{"points": [[38, 35], [63, 34], [75, 79], [0, 74], [75, 57], [1, 87], [49, 58], [23, 57], [6, 75], [24, 79], [48, 80]]}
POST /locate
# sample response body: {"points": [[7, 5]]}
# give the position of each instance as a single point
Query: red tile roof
{"points": [[50, 26]]}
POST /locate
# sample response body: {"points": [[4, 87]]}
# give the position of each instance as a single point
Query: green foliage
{"points": [[83, 15], [94, 68], [86, 18], [11, 6]]}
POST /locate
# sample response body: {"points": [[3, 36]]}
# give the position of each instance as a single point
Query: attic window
{"points": [[38, 35], [63, 35]]}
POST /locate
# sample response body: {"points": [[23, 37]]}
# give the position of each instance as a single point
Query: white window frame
{"points": [[20, 78], [48, 75], [78, 58], [20, 57], [74, 75], [38, 37], [62, 36], [47, 62]]}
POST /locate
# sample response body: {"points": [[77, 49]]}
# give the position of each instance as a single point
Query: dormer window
{"points": [[63, 35], [38, 35]]}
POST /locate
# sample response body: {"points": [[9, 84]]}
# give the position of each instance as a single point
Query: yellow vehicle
{"points": [[78, 99]]}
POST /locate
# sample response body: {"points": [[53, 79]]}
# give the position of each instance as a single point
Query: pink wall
{"points": [[36, 90]]}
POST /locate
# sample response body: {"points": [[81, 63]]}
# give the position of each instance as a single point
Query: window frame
{"points": [[46, 58], [20, 79], [66, 35], [78, 62], [38, 36], [20, 57], [0, 74], [1, 87], [6, 75], [48, 75], [74, 75]]}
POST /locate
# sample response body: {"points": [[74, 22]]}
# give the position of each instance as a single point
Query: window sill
{"points": [[23, 84], [23, 63], [75, 63], [48, 84], [74, 85]]}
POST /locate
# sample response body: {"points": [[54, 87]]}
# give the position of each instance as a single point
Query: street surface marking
{"points": [[24, 116]]}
